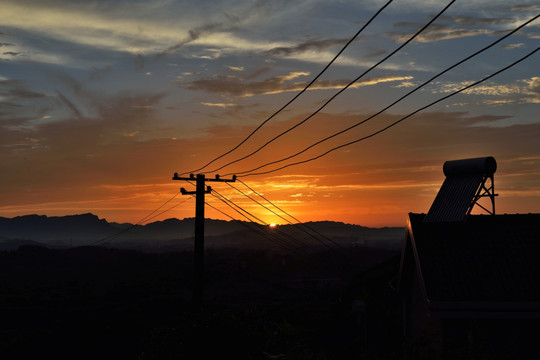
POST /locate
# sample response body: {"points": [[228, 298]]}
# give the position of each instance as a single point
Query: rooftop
{"points": [[485, 258]]}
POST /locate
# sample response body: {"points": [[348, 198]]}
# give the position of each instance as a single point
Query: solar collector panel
{"points": [[459, 190], [454, 198]]}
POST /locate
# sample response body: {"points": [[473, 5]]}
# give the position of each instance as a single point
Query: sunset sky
{"points": [[102, 101]]}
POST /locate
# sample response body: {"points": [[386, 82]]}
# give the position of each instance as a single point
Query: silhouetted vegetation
{"points": [[92, 302]]}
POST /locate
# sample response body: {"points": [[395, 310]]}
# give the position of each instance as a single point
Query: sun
{"points": [[272, 225]]}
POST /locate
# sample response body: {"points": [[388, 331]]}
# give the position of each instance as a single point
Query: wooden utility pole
{"points": [[200, 191]]}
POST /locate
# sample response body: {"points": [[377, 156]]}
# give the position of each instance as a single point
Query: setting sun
{"points": [[272, 225]]}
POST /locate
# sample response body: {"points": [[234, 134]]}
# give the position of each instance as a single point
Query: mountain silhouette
{"points": [[176, 234]]}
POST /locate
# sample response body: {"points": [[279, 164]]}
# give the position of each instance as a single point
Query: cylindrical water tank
{"points": [[483, 165]]}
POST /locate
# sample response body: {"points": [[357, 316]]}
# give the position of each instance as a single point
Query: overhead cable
{"points": [[287, 220], [285, 235], [256, 230], [392, 104], [286, 213], [280, 241], [109, 238], [401, 119], [297, 95], [337, 93]]}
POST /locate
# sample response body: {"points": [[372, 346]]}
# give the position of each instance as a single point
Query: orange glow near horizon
{"points": [[372, 184], [98, 113]]}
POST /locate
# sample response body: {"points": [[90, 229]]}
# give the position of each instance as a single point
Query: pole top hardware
{"points": [[193, 177]]}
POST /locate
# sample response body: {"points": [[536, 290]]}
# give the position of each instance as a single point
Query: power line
{"points": [[292, 239], [286, 213], [400, 120], [274, 238], [273, 212], [166, 210], [393, 103], [279, 241], [339, 92], [298, 242], [255, 230], [297, 95], [255, 201], [240, 210], [109, 238], [162, 205]]}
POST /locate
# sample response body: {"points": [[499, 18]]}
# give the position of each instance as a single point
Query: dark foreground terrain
{"points": [[99, 303]]}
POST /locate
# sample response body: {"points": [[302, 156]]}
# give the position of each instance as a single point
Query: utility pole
{"points": [[200, 191]]}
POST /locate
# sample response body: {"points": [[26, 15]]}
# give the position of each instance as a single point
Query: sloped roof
{"points": [[486, 258]]}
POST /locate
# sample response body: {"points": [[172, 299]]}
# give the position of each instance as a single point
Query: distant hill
{"points": [[55, 228], [174, 234]]}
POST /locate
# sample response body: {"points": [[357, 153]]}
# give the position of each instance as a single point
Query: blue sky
{"points": [[101, 101]]}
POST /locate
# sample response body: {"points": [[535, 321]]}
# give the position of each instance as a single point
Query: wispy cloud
{"points": [[524, 91], [85, 119], [436, 32], [456, 27], [12, 53], [533, 89], [108, 26], [512, 46], [475, 21], [236, 86], [310, 45], [16, 89], [235, 68], [220, 105], [524, 7]]}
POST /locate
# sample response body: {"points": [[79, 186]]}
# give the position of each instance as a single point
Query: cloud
{"points": [[310, 45], [81, 121], [233, 18], [74, 110], [148, 28], [377, 53], [235, 68], [522, 91], [118, 119], [512, 46], [533, 90], [435, 32], [236, 86], [221, 105], [196, 33], [405, 84], [462, 26], [530, 35], [19, 107], [475, 21], [256, 73], [98, 73], [16, 89], [524, 7], [534, 84]]}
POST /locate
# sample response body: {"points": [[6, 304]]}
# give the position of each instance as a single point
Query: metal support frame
{"points": [[484, 191]]}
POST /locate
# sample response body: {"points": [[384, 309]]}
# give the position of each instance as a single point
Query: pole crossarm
{"points": [[192, 177], [185, 192]]}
